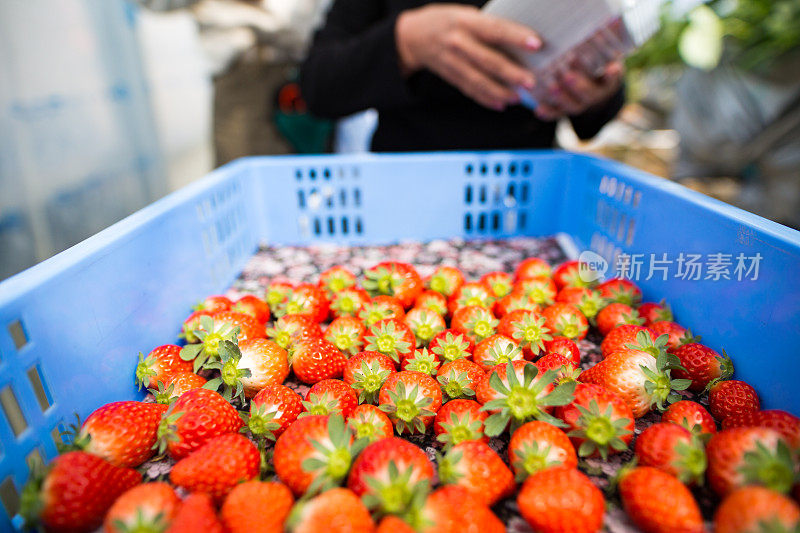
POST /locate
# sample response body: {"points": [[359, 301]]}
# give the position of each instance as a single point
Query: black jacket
{"points": [[353, 66]]}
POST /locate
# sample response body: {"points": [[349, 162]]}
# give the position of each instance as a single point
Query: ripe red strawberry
{"points": [[424, 324], [315, 453], [214, 304], [290, 329], [387, 473], [527, 329], [588, 301], [598, 421], [160, 365], [756, 509], [347, 334], [411, 400], [392, 278], [653, 312], [336, 279], [335, 511], [620, 290], [614, 315], [307, 300], [496, 350], [692, 416], [249, 327], [475, 322], [498, 283], [380, 308], [517, 393], [367, 421], [454, 509], [272, 410], [366, 372], [432, 301], [175, 387], [784, 423], [512, 301], [638, 489], [254, 306], [541, 291], [277, 292], [450, 345], [565, 347], [532, 267], [330, 396], [74, 492], [470, 294], [561, 499], [749, 456], [422, 361], [196, 513], [459, 421], [192, 324], [148, 507], [676, 334], [394, 524], [732, 397], [445, 280], [637, 377], [349, 302], [477, 468], [621, 336], [568, 274], [702, 365], [315, 359], [244, 509], [217, 466], [122, 433], [673, 449], [194, 418], [390, 337], [459, 378], [538, 445], [565, 320], [267, 362], [565, 369]]}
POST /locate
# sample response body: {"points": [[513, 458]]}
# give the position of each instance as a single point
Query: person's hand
{"points": [[574, 92], [462, 46]]}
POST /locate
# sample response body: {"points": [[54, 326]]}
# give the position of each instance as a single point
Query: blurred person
{"points": [[437, 76]]}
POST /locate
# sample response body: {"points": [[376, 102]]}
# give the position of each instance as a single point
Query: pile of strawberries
{"points": [[403, 357]]}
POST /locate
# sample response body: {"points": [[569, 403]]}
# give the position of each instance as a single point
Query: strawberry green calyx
{"points": [[688, 337], [482, 324], [344, 303], [425, 326], [458, 430], [346, 339], [530, 332], [538, 292], [503, 352], [432, 304], [600, 430], [323, 404], [570, 326], [665, 313], [275, 295], [520, 402], [72, 439], [645, 344], [770, 468], [726, 371], [333, 457], [691, 461], [660, 386], [167, 431], [142, 523], [212, 335], [282, 336], [230, 375], [31, 504], [260, 422], [296, 304], [382, 280], [456, 385], [365, 429], [408, 408], [423, 361], [475, 296], [144, 371], [632, 318], [397, 494], [452, 347], [337, 281], [163, 395], [368, 381], [625, 295], [449, 471], [532, 458], [591, 304], [373, 312], [387, 340]]}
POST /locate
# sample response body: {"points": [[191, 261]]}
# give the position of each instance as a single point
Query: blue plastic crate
{"points": [[71, 327]]}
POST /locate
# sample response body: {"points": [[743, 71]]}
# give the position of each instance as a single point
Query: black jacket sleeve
{"points": [[353, 63], [590, 122]]}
